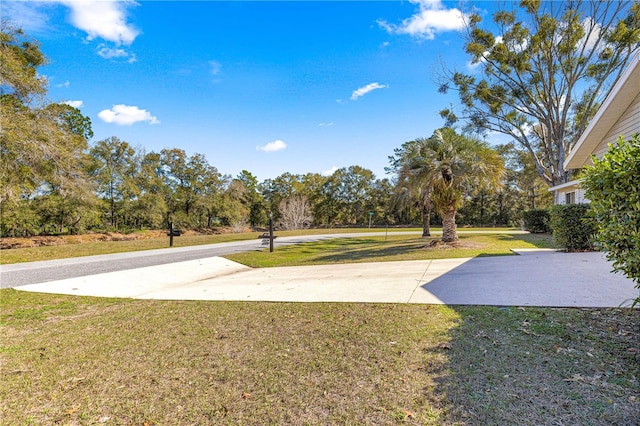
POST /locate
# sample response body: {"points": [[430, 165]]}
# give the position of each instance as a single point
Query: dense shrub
{"points": [[572, 226], [613, 186], [536, 220]]}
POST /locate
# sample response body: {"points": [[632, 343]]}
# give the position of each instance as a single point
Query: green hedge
{"points": [[536, 220], [572, 226], [613, 185]]}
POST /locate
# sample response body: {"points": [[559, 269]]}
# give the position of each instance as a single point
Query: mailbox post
{"points": [[173, 233], [267, 238], [271, 237]]}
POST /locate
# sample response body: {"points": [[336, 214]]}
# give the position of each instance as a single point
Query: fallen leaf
{"points": [[444, 345], [408, 414], [72, 411], [246, 395], [575, 378]]}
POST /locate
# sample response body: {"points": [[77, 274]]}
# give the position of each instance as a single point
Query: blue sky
{"points": [[270, 87]]}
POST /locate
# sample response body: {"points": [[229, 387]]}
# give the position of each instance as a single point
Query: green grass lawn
{"points": [[64, 251], [87, 361], [390, 248]]}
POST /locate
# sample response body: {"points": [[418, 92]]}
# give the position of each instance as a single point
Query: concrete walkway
{"points": [[535, 278]]}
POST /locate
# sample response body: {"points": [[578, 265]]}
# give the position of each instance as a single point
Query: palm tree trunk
{"points": [[426, 218], [449, 234]]}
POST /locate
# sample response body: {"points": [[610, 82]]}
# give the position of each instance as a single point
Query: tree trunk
{"points": [[426, 218], [449, 234]]}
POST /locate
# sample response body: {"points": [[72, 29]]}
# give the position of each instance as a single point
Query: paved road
{"points": [[20, 274]]}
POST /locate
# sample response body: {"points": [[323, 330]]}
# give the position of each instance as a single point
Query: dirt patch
{"points": [[438, 244], [50, 240]]}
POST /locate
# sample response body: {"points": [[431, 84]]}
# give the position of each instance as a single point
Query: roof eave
{"points": [[594, 133]]}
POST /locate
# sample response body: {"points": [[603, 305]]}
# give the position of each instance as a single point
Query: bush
{"points": [[572, 226], [536, 220], [612, 186]]}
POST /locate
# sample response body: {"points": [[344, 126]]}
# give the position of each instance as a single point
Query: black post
{"points": [[170, 234], [270, 232]]}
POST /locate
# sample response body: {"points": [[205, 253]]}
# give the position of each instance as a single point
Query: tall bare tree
{"points": [[543, 69], [295, 212]]}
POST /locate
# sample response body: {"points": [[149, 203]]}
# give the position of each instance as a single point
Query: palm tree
{"points": [[450, 166], [410, 193], [412, 188]]}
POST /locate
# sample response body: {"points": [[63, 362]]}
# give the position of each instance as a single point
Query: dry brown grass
{"points": [[84, 361], [7, 243]]}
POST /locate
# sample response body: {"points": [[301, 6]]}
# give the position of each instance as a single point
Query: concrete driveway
{"points": [[534, 278]]}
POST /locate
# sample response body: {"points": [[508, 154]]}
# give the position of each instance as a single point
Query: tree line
{"points": [[542, 69], [55, 181], [113, 186]]}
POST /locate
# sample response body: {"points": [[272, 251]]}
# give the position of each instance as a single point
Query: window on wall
{"points": [[570, 198]]}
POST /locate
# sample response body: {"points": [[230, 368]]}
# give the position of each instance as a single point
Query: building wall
{"points": [[627, 125], [560, 195]]}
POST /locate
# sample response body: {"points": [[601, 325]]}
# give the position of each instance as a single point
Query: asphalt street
{"points": [[19, 274]]}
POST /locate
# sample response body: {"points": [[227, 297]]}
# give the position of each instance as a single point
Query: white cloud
{"points": [[432, 17], [103, 19], [274, 146], [329, 172], [527, 129], [592, 34], [366, 89], [115, 53], [473, 66], [32, 17], [65, 84], [325, 124], [125, 115], [216, 68], [75, 104]]}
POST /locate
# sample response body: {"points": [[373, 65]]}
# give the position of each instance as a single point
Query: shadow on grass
{"points": [[346, 254], [537, 240], [203, 362], [538, 366]]}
